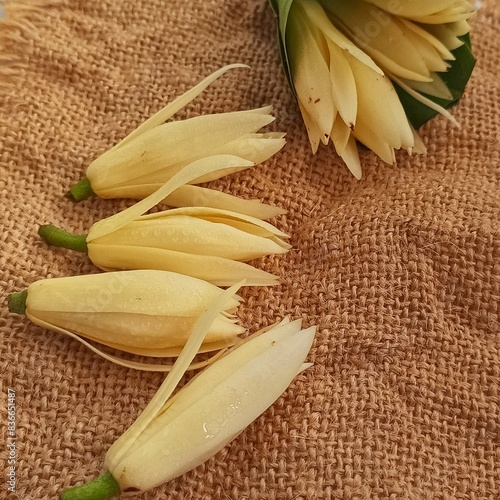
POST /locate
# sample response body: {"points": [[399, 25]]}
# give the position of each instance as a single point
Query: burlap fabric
{"points": [[399, 271]]}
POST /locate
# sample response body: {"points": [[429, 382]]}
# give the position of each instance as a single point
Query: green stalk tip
{"points": [[17, 302], [80, 191], [102, 487], [61, 238]]}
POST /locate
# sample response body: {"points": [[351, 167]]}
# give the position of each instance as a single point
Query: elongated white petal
{"points": [[436, 88], [430, 38], [256, 148], [371, 140], [343, 85], [128, 363], [229, 217], [350, 156], [190, 196], [173, 352], [412, 8], [310, 74], [129, 329], [383, 37], [313, 131], [340, 135], [119, 449], [176, 105], [186, 175], [142, 291], [447, 34], [426, 101], [380, 107], [193, 235], [216, 270], [317, 16], [138, 331], [173, 145]]}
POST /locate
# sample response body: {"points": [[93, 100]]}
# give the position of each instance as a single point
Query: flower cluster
{"points": [[368, 70], [161, 298]]}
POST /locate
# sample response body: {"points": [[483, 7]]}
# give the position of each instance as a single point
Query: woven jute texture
{"points": [[400, 271]]}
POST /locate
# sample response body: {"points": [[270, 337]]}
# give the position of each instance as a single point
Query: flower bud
{"points": [[206, 243], [144, 312]]}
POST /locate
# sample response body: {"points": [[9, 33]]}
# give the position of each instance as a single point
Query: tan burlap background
{"points": [[400, 271]]}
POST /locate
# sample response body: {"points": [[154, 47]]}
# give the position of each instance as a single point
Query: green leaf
{"points": [[281, 10], [455, 78]]}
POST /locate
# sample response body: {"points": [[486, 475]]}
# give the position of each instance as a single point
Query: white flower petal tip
{"points": [[176, 434]]}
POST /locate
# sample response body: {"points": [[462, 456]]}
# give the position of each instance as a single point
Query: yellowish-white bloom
{"points": [[175, 434], [207, 243], [158, 149], [344, 55], [145, 312]]}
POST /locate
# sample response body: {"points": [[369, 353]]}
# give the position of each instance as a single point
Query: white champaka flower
{"points": [[159, 148], [344, 55], [206, 243], [143, 312]]}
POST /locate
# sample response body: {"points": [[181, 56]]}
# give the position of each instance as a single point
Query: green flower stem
{"points": [[17, 302], [80, 191], [102, 487], [61, 238]]}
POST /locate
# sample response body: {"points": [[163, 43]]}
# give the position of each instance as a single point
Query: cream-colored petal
{"points": [[245, 222], [436, 88], [244, 383], [170, 109], [216, 270], [310, 73], [314, 11], [172, 352], [140, 331], [313, 131], [413, 8], [120, 448], [150, 292], [371, 140], [186, 175], [340, 135], [193, 235], [350, 156], [427, 35], [426, 101], [190, 196], [380, 107], [253, 147], [175, 143], [343, 85], [381, 36]]}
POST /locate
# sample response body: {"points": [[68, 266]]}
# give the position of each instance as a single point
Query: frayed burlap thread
{"points": [[400, 271]]}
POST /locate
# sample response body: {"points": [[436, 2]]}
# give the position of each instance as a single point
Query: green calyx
{"points": [[102, 487], [61, 238], [80, 191], [17, 302]]}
